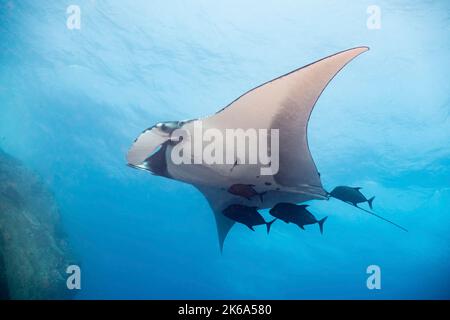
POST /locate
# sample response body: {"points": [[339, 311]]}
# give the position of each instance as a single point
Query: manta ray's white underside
{"points": [[284, 103]]}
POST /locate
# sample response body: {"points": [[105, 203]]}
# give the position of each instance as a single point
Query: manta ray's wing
{"points": [[286, 103], [218, 200]]}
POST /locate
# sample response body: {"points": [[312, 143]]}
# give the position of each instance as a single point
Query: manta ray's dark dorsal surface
{"points": [[284, 103]]}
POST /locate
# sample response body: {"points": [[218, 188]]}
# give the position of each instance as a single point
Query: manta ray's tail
{"points": [[370, 212], [380, 217], [269, 224]]}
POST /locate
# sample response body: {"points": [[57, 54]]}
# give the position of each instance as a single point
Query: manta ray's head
{"points": [[150, 141]]}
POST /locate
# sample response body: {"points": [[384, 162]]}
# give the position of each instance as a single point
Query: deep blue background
{"points": [[72, 101]]}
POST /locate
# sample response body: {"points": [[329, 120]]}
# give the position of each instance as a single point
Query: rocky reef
{"points": [[34, 253]]}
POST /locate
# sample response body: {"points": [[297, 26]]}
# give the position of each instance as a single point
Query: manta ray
{"points": [[284, 103]]}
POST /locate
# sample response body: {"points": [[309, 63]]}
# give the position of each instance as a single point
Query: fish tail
{"points": [[370, 202], [269, 224], [321, 222]]}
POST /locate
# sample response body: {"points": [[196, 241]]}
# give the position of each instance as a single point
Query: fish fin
{"points": [[303, 205], [269, 224], [370, 202], [357, 188], [321, 222], [261, 195], [250, 227], [302, 226]]}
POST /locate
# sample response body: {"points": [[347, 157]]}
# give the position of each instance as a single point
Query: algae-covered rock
{"points": [[34, 253]]}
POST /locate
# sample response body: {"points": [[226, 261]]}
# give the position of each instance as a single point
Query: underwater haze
{"points": [[72, 101]]}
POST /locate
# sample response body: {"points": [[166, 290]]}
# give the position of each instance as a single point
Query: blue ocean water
{"points": [[72, 102]]}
